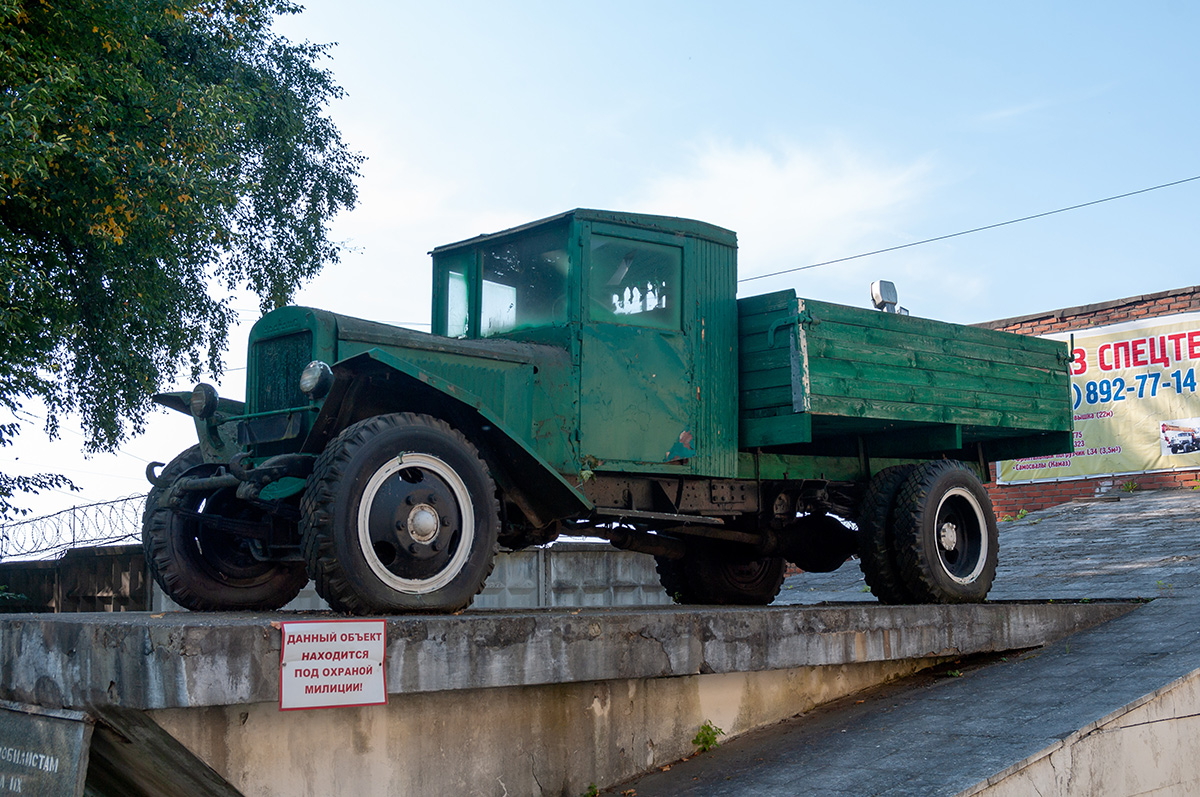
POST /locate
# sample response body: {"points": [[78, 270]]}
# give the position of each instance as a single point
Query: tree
{"points": [[149, 149]]}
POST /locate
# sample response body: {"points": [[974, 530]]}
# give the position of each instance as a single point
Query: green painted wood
{"points": [[761, 380], [776, 430], [924, 327], [755, 465], [1028, 446], [761, 323], [898, 382], [909, 340], [750, 362], [767, 302], [926, 439], [656, 400], [769, 397], [865, 374], [865, 358], [713, 335], [826, 389], [943, 413]]}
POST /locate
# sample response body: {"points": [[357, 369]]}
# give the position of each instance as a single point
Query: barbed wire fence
{"points": [[48, 536]]}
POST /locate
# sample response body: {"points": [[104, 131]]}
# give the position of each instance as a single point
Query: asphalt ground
{"points": [[950, 729]]}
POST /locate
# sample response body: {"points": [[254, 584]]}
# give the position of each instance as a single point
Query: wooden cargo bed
{"points": [[820, 378]]}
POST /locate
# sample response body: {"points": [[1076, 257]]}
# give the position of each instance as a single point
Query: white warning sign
{"points": [[329, 663]]}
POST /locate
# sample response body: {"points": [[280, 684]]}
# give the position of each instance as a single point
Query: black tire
{"points": [[201, 568], [876, 550], [713, 574], [672, 576], [946, 538], [400, 515]]}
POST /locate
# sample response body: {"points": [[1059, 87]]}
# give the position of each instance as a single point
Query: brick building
{"points": [[1011, 498]]}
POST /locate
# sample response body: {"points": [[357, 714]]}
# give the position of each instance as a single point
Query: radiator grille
{"points": [[278, 363]]}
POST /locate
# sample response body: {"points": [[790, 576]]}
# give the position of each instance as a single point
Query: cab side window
{"points": [[635, 283]]}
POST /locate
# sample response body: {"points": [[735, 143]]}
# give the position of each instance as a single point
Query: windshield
{"points": [[524, 283]]}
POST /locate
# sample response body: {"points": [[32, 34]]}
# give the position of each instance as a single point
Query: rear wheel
{"points": [[400, 515], [199, 565], [946, 539], [876, 554], [713, 574]]}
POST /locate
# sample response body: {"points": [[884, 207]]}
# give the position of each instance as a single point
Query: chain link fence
{"points": [[105, 523]]}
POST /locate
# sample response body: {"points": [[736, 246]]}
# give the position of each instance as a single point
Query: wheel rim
{"points": [[961, 535], [416, 524], [748, 574], [222, 556]]}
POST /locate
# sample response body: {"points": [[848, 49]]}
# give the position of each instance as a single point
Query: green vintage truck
{"points": [[594, 373]]}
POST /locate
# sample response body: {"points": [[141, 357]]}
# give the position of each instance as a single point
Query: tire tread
{"points": [[318, 524], [911, 550], [171, 574], [876, 548]]}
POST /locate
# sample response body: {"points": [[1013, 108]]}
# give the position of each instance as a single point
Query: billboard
{"points": [[1133, 388]]}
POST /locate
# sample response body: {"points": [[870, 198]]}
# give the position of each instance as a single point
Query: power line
{"points": [[31, 416], [968, 232]]}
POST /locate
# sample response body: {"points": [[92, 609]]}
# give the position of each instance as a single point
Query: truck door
{"points": [[637, 402]]}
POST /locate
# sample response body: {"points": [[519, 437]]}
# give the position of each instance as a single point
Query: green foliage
{"points": [[8, 595], [149, 148], [706, 738], [1129, 486], [1021, 513], [11, 485], [592, 791]]}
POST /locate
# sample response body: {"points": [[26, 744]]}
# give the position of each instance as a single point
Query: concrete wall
{"points": [[572, 574], [528, 702], [567, 574], [109, 578], [548, 740], [1151, 746]]}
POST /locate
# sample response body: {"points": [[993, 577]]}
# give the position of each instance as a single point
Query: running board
{"points": [[637, 514]]}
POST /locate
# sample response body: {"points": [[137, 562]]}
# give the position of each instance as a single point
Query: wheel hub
{"points": [[415, 523], [948, 536], [423, 523]]}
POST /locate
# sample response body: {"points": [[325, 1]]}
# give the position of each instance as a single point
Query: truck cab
{"points": [[645, 308]]}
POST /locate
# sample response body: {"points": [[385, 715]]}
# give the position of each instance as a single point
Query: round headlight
{"points": [[204, 401], [316, 379]]}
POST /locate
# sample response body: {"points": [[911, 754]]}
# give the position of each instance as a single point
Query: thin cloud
{"points": [[1013, 112], [789, 204]]}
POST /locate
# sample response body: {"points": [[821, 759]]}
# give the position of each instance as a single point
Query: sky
{"points": [[815, 130]]}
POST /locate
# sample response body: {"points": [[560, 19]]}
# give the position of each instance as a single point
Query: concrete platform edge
{"points": [[181, 660]]}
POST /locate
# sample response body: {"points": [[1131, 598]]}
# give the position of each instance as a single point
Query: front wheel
{"points": [[199, 565], [945, 534], [399, 515]]}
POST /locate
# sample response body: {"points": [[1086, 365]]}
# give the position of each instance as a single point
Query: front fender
{"points": [[376, 383]]}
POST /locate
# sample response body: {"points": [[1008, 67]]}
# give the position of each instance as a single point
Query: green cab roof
{"points": [[671, 225]]}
